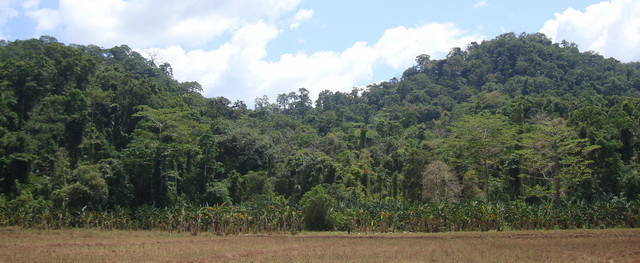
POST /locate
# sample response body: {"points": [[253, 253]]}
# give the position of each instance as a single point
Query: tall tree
{"points": [[163, 151], [480, 140], [553, 152]]}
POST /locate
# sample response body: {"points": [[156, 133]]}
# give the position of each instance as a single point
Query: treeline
{"points": [[513, 119]]}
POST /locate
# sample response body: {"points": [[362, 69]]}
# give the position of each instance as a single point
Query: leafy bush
{"points": [[217, 193], [317, 208]]}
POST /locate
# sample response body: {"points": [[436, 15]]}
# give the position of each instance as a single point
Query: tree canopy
{"points": [[517, 116]]}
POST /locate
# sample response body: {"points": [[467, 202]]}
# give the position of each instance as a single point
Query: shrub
{"points": [[317, 208]]}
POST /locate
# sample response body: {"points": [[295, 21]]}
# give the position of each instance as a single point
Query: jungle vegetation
{"points": [[514, 132]]}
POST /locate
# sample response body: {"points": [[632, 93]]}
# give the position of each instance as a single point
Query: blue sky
{"points": [[244, 49]]}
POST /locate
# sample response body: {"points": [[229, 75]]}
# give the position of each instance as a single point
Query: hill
{"points": [[513, 118]]}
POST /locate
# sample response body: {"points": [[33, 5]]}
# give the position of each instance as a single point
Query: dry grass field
{"points": [[87, 245]]}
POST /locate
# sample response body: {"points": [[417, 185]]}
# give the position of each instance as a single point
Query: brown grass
{"points": [[86, 245]]}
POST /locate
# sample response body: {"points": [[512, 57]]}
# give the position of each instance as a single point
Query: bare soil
{"points": [[93, 245]]}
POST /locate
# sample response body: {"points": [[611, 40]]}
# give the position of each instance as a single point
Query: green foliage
{"points": [[257, 184], [630, 182], [470, 189], [89, 133], [553, 153], [88, 189], [317, 207], [217, 193], [478, 141]]}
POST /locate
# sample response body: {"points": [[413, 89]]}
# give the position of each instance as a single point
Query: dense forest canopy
{"points": [[513, 118]]}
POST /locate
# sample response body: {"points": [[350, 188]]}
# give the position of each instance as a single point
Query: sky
{"points": [[246, 49]]}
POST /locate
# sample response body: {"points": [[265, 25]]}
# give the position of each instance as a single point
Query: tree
{"points": [[423, 63], [480, 140], [89, 189], [439, 183], [316, 208], [414, 162], [164, 149], [257, 185], [553, 152], [244, 148], [470, 189], [301, 103], [304, 170]]}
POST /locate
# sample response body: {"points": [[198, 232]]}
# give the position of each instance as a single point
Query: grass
{"points": [[92, 245]]}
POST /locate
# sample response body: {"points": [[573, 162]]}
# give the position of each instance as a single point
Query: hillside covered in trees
{"points": [[516, 118]]}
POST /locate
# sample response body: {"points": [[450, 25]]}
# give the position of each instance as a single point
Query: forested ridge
{"points": [[496, 134]]}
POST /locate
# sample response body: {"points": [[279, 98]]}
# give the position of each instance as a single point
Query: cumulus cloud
{"points": [[238, 69], [609, 28], [301, 16], [146, 23], [398, 46]]}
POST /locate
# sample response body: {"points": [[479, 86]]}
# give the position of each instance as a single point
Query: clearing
{"points": [[94, 245]]}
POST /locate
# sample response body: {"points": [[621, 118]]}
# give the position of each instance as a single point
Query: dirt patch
{"points": [[82, 245]]}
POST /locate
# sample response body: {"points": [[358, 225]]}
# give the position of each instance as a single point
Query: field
{"points": [[93, 245]]}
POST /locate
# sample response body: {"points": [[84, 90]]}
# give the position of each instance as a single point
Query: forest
{"points": [[516, 132]]}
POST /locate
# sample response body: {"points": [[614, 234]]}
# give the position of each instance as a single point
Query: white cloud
{"points": [[238, 69], [225, 71], [609, 28], [6, 13], [481, 4], [145, 23], [46, 19], [301, 16], [399, 46]]}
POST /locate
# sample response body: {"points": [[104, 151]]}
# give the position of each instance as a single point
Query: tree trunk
{"points": [[363, 138], [21, 122], [521, 189], [555, 172], [520, 121], [556, 182], [486, 180]]}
